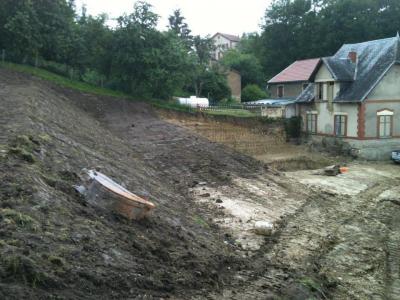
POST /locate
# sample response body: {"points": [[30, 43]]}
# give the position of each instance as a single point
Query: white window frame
{"points": [[385, 119]]}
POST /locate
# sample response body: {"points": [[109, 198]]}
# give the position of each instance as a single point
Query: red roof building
{"points": [[300, 70]]}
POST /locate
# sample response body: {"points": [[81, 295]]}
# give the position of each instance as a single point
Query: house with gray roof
{"points": [[354, 99], [223, 42], [290, 82]]}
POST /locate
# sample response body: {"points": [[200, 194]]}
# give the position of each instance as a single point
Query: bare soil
{"points": [[266, 142], [334, 237], [55, 245]]}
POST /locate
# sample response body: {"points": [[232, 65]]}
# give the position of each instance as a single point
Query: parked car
{"points": [[396, 156]]}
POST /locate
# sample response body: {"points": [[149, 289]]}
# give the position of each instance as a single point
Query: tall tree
{"points": [[201, 56], [299, 29], [247, 64], [23, 31], [180, 28]]}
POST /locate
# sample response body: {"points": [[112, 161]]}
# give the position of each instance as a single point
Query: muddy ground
{"points": [[338, 234], [334, 237]]}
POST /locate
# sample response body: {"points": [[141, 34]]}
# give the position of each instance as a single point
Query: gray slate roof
{"points": [[357, 80], [307, 95], [272, 102]]}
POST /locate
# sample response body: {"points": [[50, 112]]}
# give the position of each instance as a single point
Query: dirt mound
{"points": [[54, 243]]}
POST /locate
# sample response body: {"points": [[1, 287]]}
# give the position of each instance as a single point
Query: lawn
{"points": [[231, 112]]}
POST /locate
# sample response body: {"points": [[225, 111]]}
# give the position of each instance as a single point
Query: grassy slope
{"points": [[87, 88], [84, 87], [63, 81]]}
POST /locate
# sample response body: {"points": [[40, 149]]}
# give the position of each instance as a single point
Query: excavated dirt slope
{"points": [[53, 245]]}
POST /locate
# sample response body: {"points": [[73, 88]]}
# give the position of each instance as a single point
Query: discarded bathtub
{"points": [[102, 191]]}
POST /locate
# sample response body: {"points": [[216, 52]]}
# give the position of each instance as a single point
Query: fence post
{"points": [[3, 55]]}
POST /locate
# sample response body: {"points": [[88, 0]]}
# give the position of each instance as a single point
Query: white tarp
{"points": [[193, 101]]}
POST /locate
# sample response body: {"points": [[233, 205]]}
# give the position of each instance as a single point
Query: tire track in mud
{"points": [[342, 248], [318, 249], [393, 256]]}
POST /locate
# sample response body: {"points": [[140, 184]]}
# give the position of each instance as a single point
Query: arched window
{"points": [[385, 123]]}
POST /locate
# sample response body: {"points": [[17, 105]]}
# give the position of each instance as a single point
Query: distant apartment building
{"points": [[223, 42]]}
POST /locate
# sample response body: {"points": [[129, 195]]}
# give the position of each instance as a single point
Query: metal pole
{"points": [[3, 55]]}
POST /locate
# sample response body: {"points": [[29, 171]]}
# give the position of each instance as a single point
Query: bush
{"points": [[215, 86], [93, 77], [253, 92], [293, 127]]}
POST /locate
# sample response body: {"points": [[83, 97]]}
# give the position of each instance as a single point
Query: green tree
{"points": [[253, 92], [23, 32], [180, 28], [300, 29], [214, 85], [201, 59], [95, 43], [247, 64], [146, 62]]}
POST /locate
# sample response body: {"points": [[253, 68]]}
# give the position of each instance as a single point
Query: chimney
{"points": [[352, 56]]}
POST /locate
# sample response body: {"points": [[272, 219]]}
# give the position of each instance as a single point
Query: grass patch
{"points": [[21, 220], [57, 261], [23, 154], [22, 267], [45, 138], [242, 113], [171, 106], [23, 147], [63, 81], [200, 221], [313, 286]]}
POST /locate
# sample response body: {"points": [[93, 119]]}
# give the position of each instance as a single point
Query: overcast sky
{"points": [[203, 16]]}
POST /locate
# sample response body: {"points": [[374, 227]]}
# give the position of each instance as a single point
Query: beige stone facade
{"points": [[289, 89], [234, 80], [223, 42]]}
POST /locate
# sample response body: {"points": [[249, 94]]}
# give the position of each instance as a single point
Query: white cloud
{"points": [[203, 16]]}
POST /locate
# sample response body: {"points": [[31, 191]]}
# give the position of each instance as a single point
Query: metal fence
{"points": [[251, 110]]}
